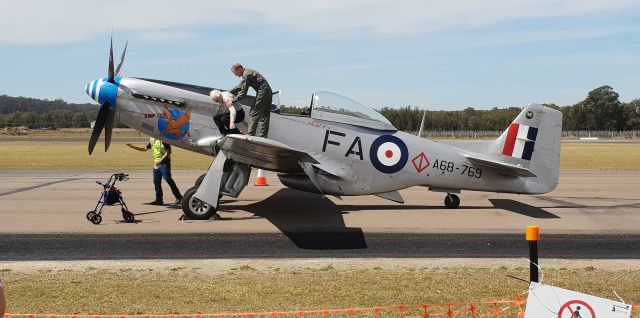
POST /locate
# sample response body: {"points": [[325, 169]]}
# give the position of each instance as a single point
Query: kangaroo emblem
{"points": [[177, 127]]}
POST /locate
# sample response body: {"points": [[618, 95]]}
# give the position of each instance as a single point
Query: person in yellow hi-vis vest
{"points": [[161, 168]]}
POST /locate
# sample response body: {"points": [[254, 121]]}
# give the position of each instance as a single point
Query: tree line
{"points": [[601, 110], [40, 113]]}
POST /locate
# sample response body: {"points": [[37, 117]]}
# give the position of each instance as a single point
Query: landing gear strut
{"points": [[225, 176], [451, 201]]}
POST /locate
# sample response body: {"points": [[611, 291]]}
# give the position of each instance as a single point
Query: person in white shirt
{"points": [[227, 121]]}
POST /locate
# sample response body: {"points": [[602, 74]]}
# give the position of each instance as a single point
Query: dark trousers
{"points": [[222, 121], [164, 172], [259, 114]]}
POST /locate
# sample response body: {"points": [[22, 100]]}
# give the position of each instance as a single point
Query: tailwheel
{"points": [[196, 209], [451, 201]]}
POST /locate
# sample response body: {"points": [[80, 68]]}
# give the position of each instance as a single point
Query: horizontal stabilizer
{"points": [[515, 169]]}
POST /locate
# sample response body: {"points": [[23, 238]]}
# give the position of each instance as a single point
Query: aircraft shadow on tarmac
{"points": [[522, 208], [313, 222], [308, 220]]}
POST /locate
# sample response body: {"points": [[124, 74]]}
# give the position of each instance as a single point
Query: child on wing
{"points": [[235, 114]]}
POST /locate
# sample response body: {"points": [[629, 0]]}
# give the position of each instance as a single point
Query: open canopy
{"points": [[337, 108]]}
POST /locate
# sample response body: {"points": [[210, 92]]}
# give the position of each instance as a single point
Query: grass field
{"points": [[181, 290], [600, 156], [72, 155]]}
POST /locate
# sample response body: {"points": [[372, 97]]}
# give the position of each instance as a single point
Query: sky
{"points": [[437, 55]]}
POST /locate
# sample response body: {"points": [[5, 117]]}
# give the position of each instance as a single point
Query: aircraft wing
{"points": [[264, 153], [517, 170]]}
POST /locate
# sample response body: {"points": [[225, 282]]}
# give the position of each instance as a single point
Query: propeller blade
{"points": [[97, 128], [108, 127], [122, 59], [111, 75]]}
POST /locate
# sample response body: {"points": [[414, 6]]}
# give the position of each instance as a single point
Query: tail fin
{"points": [[533, 141]]}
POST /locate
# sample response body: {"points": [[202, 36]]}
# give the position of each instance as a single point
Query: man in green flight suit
{"points": [[261, 109]]}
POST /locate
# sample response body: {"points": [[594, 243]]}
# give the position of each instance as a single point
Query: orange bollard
{"points": [[533, 233], [261, 180], [533, 236]]}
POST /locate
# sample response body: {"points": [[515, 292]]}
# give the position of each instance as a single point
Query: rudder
{"points": [[533, 141]]}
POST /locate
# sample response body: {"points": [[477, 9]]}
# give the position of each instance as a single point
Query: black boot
{"points": [[158, 201]]}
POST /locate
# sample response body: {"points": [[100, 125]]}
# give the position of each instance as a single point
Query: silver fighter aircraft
{"points": [[339, 147]]}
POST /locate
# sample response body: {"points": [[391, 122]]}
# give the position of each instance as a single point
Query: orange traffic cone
{"points": [[261, 180]]}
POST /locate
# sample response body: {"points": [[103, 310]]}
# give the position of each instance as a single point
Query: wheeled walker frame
{"points": [[111, 196]]}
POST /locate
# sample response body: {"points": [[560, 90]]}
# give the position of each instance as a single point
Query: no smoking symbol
{"points": [[576, 309]]}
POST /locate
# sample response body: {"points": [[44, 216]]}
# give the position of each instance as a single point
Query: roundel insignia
{"points": [[529, 114], [388, 154]]}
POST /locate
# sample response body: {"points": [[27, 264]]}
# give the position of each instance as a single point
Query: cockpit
{"points": [[337, 108]]}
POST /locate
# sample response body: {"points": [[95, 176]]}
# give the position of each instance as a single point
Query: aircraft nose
{"points": [[88, 87], [102, 91], [93, 89]]}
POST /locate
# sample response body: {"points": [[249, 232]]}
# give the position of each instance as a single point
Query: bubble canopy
{"points": [[337, 108]]}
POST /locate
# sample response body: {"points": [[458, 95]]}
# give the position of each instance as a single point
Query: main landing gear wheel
{"points": [[196, 209], [128, 216], [451, 201]]}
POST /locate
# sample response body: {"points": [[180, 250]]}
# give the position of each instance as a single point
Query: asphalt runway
{"points": [[592, 215]]}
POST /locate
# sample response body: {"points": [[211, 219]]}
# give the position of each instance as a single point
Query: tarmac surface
{"points": [[591, 215]]}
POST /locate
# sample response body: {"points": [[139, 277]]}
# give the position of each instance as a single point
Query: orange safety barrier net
{"points": [[498, 309]]}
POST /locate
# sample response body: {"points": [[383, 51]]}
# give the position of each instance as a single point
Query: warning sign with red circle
{"points": [[544, 301], [576, 309]]}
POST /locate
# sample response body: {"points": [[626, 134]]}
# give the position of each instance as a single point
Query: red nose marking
{"points": [[388, 153]]}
